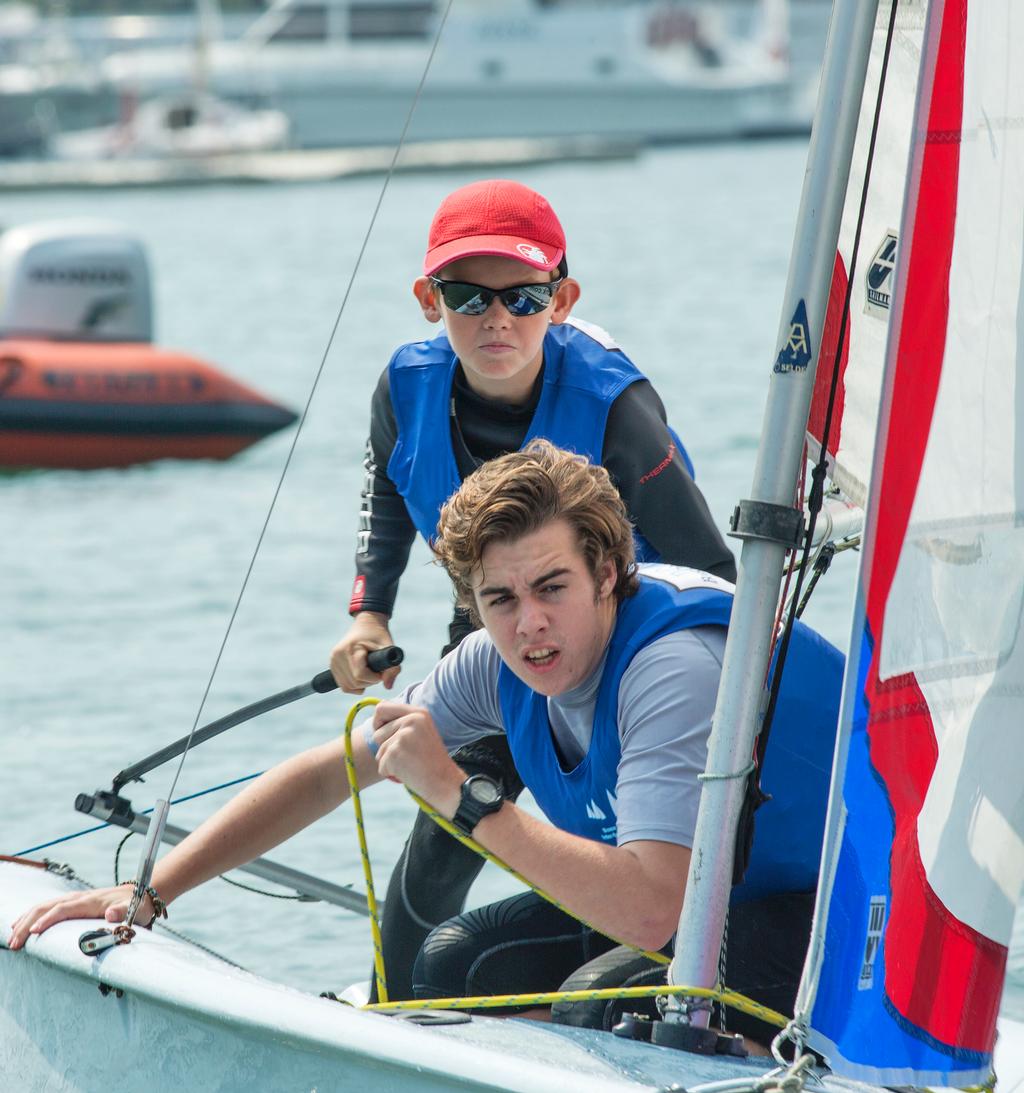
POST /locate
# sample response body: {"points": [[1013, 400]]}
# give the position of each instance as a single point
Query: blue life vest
{"points": [[581, 381], [797, 769]]}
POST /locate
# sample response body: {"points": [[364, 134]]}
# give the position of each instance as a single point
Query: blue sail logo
{"points": [[795, 355]]}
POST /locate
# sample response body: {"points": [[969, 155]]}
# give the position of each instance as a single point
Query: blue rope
{"points": [[99, 827]]}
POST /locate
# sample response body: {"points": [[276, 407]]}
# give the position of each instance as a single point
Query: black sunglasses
{"points": [[466, 299]]}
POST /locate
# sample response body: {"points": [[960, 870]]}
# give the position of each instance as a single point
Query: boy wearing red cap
{"points": [[511, 365]]}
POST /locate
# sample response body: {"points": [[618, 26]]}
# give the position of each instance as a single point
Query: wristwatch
{"points": [[480, 797]]}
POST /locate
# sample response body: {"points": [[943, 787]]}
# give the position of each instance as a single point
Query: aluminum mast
{"points": [[740, 695]]}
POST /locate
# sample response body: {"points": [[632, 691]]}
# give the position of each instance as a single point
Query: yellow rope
{"points": [[546, 998], [371, 899], [727, 997]]}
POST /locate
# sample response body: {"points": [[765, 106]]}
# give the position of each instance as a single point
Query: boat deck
{"points": [[68, 1021]]}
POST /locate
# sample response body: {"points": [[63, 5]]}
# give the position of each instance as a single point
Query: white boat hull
{"points": [[161, 1015]]}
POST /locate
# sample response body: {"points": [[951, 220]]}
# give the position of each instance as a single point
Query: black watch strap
{"points": [[481, 796]]}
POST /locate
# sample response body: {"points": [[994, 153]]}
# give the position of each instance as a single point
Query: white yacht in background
{"points": [[186, 122], [346, 71], [186, 125], [45, 85]]}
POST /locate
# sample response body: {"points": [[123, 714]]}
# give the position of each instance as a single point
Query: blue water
{"points": [[117, 586]]}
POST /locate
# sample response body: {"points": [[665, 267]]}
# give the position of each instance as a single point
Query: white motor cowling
{"points": [[74, 280]]}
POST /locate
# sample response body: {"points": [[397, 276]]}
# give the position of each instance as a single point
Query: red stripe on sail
{"points": [[826, 361], [940, 975]]}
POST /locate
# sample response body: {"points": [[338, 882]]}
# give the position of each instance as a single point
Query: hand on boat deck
{"points": [[409, 750], [107, 903], [368, 631]]}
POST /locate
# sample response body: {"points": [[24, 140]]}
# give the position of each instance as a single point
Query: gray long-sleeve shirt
{"points": [[665, 702]]}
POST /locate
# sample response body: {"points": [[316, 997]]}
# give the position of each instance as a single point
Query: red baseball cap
{"points": [[497, 217]]}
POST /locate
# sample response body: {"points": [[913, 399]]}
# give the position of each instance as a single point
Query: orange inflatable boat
{"points": [[81, 382], [65, 404]]}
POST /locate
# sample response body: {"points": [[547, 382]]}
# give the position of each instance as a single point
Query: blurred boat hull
{"points": [[68, 405]]}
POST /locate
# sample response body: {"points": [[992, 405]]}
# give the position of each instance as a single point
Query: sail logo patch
{"points": [[795, 355], [878, 282], [873, 942]]}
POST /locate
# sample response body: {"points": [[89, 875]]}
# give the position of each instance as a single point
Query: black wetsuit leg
{"points": [[764, 957], [522, 944], [431, 879]]}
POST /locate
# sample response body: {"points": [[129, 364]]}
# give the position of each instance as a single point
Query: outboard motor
{"points": [[74, 280], [81, 383]]}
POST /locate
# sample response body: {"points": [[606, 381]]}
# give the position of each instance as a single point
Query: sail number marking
{"points": [[873, 942]]}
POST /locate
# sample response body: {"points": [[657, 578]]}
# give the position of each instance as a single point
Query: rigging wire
{"points": [[795, 1031], [754, 796], [313, 387], [291, 449], [117, 858], [820, 468], [822, 561], [296, 896], [143, 812]]}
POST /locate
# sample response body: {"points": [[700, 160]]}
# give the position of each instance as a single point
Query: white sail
{"points": [[906, 974], [852, 433]]}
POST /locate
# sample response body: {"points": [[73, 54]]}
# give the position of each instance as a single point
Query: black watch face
{"points": [[484, 791]]}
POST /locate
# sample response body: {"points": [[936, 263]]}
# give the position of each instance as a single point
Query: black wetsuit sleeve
{"points": [[664, 502], [386, 530]]}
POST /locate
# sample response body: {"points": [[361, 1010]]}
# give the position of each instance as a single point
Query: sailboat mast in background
{"points": [[209, 30]]}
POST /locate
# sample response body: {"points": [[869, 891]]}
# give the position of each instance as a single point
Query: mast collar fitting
{"points": [[767, 522]]}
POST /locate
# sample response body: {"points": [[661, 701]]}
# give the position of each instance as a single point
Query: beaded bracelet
{"points": [[159, 907]]}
